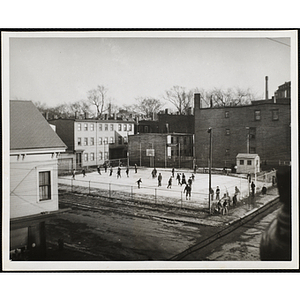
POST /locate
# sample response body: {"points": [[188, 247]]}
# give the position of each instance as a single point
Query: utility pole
{"points": [[210, 164]]}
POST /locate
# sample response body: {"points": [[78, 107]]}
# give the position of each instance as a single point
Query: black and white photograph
{"points": [[150, 150]]}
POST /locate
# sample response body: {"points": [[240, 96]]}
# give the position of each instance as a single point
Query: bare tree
{"points": [[148, 106], [231, 97], [97, 98], [180, 98]]}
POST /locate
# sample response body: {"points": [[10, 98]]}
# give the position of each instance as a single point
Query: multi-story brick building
{"points": [[161, 150], [262, 128], [93, 141]]}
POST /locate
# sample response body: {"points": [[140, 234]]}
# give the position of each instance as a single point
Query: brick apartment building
{"points": [[168, 123], [262, 128], [92, 142], [161, 150]]}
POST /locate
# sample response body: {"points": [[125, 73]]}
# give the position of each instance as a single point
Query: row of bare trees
{"points": [[180, 97]]}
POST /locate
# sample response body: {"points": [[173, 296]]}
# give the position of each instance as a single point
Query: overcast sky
{"points": [[59, 70]]}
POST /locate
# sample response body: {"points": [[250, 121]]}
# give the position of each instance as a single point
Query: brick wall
{"points": [[271, 141]]}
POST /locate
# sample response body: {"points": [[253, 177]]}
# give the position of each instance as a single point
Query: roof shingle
{"points": [[29, 129]]}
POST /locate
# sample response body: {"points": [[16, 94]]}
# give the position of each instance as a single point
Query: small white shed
{"points": [[247, 163]]}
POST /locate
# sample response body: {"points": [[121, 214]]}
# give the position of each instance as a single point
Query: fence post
{"points": [[109, 190], [72, 185], [131, 192], [155, 194], [89, 187]]}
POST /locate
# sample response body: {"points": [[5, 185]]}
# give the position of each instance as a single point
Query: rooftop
{"points": [[29, 129]]}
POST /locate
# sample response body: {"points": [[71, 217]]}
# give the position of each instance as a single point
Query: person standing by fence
{"points": [[135, 168], [188, 191], [173, 172], [218, 193], [111, 171], [73, 174], [99, 170], [183, 181], [253, 188], [83, 173], [127, 172]]}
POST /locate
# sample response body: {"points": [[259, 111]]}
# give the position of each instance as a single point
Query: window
{"points": [[172, 140], [106, 140], [79, 141], [106, 127], [44, 186], [275, 115], [106, 155], [92, 127], [146, 129], [86, 157], [85, 127], [227, 131], [92, 156], [100, 141], [111, 140], [125, 127], [100, 127], [92, 141], [120, 127], [125, 139], [85, 142], [226, 114], [249, 162], [119, 140], [100, 155], [241, 162], [257, 116], [252, 133], [130, 127], [111, 127], [252, 150], [79, 126]]}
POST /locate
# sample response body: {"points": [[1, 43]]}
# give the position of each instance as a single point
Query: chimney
{"points": [[197, 103], [267, 97], [47, 115], [115, 116], [76, 114], [166, 111], [86, 115]]}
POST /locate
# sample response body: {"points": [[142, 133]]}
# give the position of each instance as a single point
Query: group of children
{"points": [[222, 205]]}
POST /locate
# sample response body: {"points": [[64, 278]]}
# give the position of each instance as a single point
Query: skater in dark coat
{"points": [[188, 190], [99, 170], [169, 183], [83, 172], [105, 167], [127, 172], [119, 172], [183, 181], [159, 178], [178, 179], [173, 171], [73, 174], [139, 183], [218, 193], [135, 168], [253, 188], [111, 171]]}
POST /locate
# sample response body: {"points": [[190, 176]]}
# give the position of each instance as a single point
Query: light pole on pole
{"points": [[210, 164]]}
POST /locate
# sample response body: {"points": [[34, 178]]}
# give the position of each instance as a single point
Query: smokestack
{"points": [[197, 104], [267, 96], [166, 111]]}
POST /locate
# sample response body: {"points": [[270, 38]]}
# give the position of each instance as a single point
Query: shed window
{"points": [[44, 186], [241, 162], [249, 162]]}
